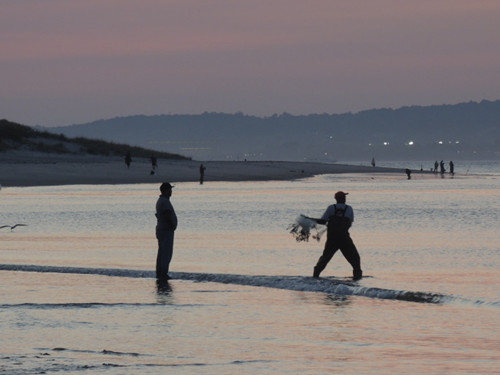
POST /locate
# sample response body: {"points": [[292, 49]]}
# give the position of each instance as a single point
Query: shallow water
{"points": [[78, 294]]}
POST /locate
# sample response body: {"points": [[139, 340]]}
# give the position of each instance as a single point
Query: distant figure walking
{"points": [[436, 166], [165, 227], [154, 165], [154, 162], [373, 162], [408, 173], [128, 159], [202, 173], [442, 168], [338, 218], [452, 168]]}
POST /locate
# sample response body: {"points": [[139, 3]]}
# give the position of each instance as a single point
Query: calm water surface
{"points": [[429, 304]]}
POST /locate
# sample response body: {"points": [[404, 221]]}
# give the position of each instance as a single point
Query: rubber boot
{"points": [[357, 274], [316, 272]]}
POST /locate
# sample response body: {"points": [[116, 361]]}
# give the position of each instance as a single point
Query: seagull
{"points": [[13, 226]]}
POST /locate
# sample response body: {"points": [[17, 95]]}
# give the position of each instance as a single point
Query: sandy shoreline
{"points": [[42, 170]]}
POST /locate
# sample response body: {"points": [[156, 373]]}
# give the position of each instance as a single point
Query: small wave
{"points": [[310, 284], [296, 283], [78, 270], [67, 360], [76, 305], [104, 351]]}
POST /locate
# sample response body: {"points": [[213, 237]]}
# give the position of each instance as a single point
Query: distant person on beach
{"points": [[436, 166], [452, 168], [441, 166], [408, 173], [373, 162], [202, 173], [165, 227], [128, 159], [153, 165], [154, 162], [339, 218]]}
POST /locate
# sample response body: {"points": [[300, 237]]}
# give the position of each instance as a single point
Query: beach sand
{"points": [[21, 169]]}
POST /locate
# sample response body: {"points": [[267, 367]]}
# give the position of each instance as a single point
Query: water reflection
{"points": [[164, 292], [337, 300]]}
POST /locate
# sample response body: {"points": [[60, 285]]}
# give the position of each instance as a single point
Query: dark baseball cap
{"points": [[166, 186], [340, 194]]}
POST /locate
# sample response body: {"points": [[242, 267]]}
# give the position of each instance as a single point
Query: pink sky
{"points": [[66, 62]]}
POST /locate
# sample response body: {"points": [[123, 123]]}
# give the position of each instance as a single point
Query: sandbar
{"points": [[53, 169]]}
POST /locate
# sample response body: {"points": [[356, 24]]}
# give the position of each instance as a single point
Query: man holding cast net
{"points": [[338, 218]]}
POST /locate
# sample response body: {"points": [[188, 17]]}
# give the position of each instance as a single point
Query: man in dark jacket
{"points": [[165, 227], [339, 218]]}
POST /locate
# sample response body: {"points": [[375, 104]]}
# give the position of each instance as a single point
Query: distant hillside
{"points": [[467, 130], [19, 137]]}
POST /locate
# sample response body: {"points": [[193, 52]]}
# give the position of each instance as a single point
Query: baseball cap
{"points": [[340, 194], [166, 186]]}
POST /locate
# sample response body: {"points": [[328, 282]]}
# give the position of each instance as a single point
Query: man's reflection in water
{"points": [[164, 292]]}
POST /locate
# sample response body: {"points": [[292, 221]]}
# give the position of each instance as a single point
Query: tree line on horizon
{"points": [[14, 136], [440, 131]]}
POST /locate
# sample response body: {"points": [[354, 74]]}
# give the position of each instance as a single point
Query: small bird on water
{"points": [[13, 226]]}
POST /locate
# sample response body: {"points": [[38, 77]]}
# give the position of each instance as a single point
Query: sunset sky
{"points": [[64, 62]]}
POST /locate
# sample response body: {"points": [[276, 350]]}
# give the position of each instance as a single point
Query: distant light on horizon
{"points": [[386, 143], [449, 142], [410, 143]]}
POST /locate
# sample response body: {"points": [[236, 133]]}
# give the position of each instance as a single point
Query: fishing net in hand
{"points": [[301, 229]]}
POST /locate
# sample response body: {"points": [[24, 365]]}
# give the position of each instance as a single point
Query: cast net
{"points": [[303, 226]]}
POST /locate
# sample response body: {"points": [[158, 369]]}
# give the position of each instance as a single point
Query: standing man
{"points": [[202, 173], [339, 218], [441, 166], [128, 159], [154, 163], [165, 227]]}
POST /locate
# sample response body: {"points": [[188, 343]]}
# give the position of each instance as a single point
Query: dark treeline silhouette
{"points": [[15, 136], [415, 132]]}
